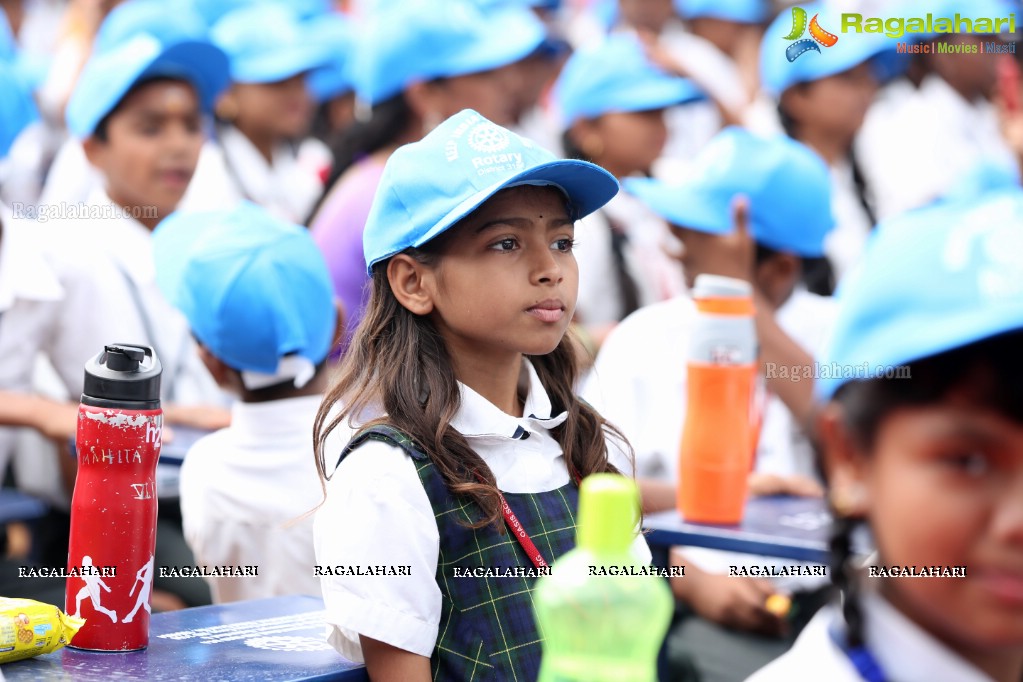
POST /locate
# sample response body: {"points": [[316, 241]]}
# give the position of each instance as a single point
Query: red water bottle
{"points": [[113, 509]]}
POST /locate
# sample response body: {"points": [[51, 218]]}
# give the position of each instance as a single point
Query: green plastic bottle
{"points": [[599, 627]]}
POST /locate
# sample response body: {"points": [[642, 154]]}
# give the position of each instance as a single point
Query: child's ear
{"points": [[95, 151], [411, 283], [845, 464]]}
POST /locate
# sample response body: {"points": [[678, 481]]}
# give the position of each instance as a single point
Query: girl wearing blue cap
{"points": [[922, 438], [460, 383], [612, 101], [414, 65], [264, 118], [821, 100]]}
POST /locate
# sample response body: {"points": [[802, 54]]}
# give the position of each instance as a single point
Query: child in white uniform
{"points": [[925, 446], [460, 376], [258, 298], [639, 379]]}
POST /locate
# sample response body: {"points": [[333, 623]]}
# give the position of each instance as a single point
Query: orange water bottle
{"points": [[720, 430]]}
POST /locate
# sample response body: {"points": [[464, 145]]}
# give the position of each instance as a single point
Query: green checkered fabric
{"points": [[487, 630]]}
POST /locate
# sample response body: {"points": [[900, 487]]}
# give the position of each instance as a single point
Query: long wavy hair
{"points": [[398, 367]]}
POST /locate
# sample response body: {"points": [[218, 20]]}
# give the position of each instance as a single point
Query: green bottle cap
{"points": [[608, 513]]}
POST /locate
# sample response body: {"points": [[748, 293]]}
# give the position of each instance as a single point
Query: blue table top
{"points": [[778, 526], [18, 506], [275, 639]]}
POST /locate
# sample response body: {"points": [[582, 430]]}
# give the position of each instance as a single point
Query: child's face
{"points": [[152, 146], [628, 142], [495, 94], [834, 105], [507, 280], [281, 110], [650, 15], [944, 486]]}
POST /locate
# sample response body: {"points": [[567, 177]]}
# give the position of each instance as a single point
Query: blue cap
{"points": [[108, 76], [255, 290], [419, 40], [130, 18], [430, 185], [616, 75], [739, 11], [788, 187], [333, 78], [811, 60], [266, 43], [930, 281]]}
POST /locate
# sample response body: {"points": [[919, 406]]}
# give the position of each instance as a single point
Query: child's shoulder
{"points": [[375, 453]]}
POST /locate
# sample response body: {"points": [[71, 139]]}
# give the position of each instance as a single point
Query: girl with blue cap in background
{"points": [[265, 117], [921, 431], [414, 63], [460, 386], [821, 99], [611, 101]]}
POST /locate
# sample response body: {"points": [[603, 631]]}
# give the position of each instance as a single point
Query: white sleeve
{"points": [[377, 513]]}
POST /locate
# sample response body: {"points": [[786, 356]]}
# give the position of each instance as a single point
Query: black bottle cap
{"points": [[124, 375]]}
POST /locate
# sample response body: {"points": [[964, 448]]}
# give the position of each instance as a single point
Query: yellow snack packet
{"points": [[30, 628]]}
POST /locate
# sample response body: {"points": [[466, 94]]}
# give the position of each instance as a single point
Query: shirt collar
{"points": [[478, 417], [905, 651], [24, 271]]}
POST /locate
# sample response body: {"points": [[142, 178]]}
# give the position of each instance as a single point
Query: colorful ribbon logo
{"points": [[819, 35]]}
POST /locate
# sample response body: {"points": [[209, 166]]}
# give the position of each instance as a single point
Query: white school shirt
{"points": [[919, 143], [127, 268], [46, 307], [902, 648], [639, 384], [844, 245], [377, 513], [241, 489], [288, 188]]}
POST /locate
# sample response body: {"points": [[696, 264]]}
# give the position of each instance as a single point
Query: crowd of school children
{"points": [[420, 266]]}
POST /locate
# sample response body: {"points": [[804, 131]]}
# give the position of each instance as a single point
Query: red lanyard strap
{"points": [[516, 528], [521, 535]]}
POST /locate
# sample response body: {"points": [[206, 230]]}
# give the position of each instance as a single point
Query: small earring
{"points": [[848, 501]]}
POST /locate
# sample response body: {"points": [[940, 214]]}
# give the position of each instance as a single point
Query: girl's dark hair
{"points": [[990, 371], [398, 363], [388, 121]]}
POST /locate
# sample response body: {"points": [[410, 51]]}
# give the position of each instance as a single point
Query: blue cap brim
{"points": [[683, 205], [275, 66], [586, 185], [108, 77]]}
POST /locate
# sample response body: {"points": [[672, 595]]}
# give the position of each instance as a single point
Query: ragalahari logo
{"points": [[819, 35]]}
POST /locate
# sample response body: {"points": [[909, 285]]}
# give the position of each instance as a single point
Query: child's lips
{"points": [[551, 310], [1006, 586], [175, 178]]}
